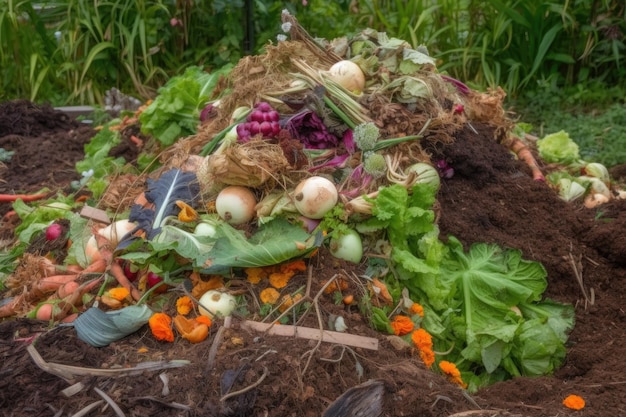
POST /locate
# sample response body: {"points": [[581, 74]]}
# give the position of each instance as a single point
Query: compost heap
{"points": [[447, 293]]}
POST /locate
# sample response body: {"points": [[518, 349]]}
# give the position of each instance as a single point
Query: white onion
{"points": [[315, 196], [214, 302], [426, 173], [349, 75], [116, 230], [235, 204], [348, 247]]}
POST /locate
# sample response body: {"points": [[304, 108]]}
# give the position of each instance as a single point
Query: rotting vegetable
{"points": [[217, 303], [315, 196]]}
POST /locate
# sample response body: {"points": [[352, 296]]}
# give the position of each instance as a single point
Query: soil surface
{"points": [[491, 198]]}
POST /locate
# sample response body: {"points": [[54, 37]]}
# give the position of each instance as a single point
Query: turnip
{"points": [[216, 303], [315, 196], [236, 204], [347, 246]]}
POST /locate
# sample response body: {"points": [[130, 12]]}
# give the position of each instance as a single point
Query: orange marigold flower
{"points": [[201, 287], [280, 279], [428, 357], [294, 266], [288, 301], [184, 305], [204, 320], [269, 295], [417, 309], [161, 327], [574, 402], [402, 325], [453, 373], [187, 213], [255, 275], [424, 342], [118, 293]]}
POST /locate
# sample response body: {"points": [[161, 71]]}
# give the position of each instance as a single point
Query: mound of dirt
{"points": [[491, 198]]}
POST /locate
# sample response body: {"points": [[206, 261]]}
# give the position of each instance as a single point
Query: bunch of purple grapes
{"points": [[262, 120]]}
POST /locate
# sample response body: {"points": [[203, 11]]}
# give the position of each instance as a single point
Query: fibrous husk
{"points": [[250, 164]]}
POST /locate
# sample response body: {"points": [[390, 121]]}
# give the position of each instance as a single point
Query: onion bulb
{"points": [[349, 75], [214, 302], [116, 230], [315, 196], [348, 246], [236, 204]]}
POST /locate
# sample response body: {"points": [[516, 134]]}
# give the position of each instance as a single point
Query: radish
{"points": [[236, 204], [315, 196], [53, 232]]}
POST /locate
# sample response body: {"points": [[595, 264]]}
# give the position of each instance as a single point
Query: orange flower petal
{"points": [[184, 305], [574, 402], [402, 325], [161, 327]]}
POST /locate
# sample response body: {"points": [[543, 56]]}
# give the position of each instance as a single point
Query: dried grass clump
{"points": [[487, 108], [251, 164], [121, 192]]}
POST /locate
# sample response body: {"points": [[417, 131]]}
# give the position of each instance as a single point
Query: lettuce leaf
{"points": [[275, 242], [558, 148], [176, 110], [469, 297]]}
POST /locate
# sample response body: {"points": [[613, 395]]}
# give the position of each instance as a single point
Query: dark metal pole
{"points": [[248, 41]]}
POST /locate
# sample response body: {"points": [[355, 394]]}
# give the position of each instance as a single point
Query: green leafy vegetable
{"points": [[558, 148], [176, 110], [275, 242], [470, 298]]}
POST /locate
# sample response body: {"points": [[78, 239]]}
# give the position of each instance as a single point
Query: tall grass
{"points": [[514, 44], [137, 45]]}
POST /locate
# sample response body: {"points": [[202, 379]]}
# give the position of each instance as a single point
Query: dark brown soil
{"points": [[491, 198]]}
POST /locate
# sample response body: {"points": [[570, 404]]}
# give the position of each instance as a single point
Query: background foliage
{"points": [[566, 54]]}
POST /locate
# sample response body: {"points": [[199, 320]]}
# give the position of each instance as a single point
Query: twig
{"points": [[175, 405], [109, 400], [88, 409], [248, 388], [69, 372], [577, 267], [217, 340]]}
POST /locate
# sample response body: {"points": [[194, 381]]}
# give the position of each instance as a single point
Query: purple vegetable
{"points": [[307, 127]]}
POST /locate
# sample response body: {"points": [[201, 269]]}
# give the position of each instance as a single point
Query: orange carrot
{"points": [[52, 283], [524, 154], [67, 289], [10, 198], [74, 269], [75, 299], [99, 265]]}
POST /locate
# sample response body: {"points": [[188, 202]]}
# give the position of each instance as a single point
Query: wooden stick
{"points": [[314, 334]]}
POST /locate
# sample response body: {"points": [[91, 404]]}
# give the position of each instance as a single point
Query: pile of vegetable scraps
{"points": [[247, 173]]}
